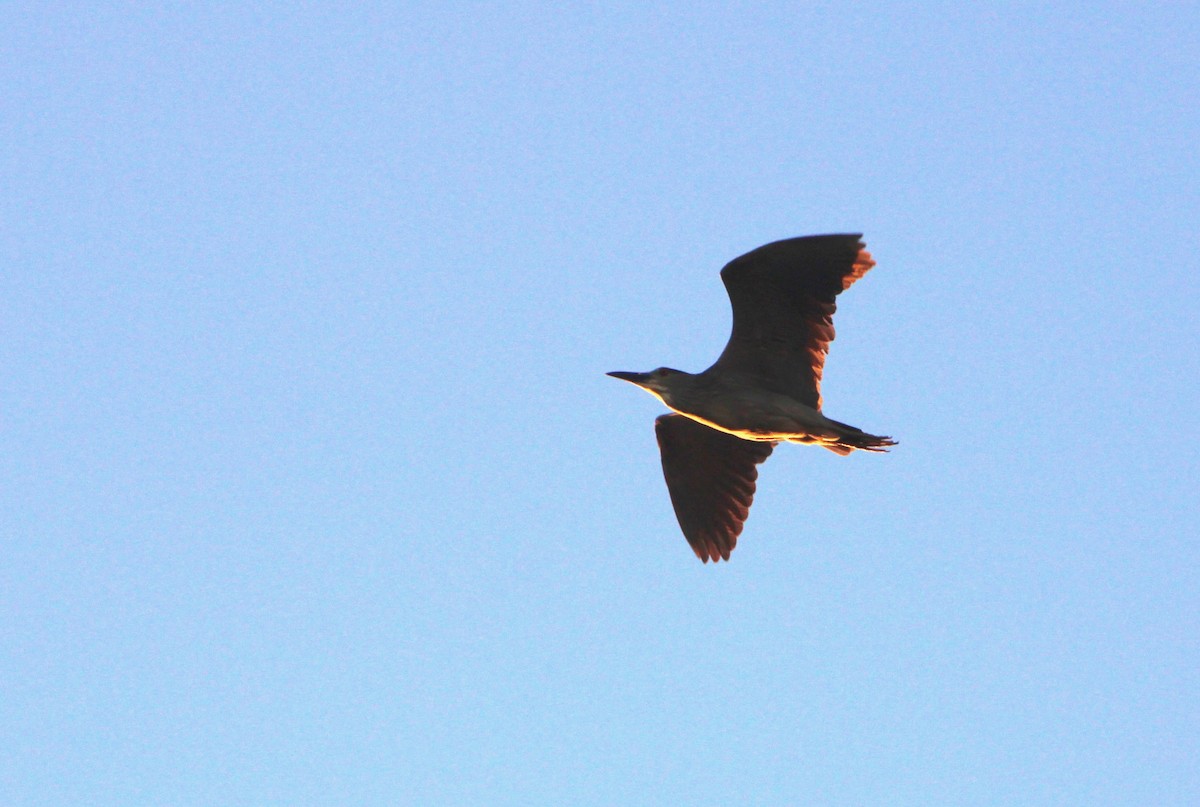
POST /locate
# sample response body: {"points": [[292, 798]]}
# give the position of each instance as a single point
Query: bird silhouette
{"points": [[765, 388]]}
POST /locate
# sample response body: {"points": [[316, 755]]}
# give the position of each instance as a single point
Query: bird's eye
{"points": [[661, 372]]}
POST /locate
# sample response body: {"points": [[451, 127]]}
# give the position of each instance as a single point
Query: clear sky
{"points": [[314, 490]]}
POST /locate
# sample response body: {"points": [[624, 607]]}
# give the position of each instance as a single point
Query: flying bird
{"points": [[765, 388]]}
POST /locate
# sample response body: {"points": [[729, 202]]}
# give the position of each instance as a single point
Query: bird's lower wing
{"points": [[711, 476]]}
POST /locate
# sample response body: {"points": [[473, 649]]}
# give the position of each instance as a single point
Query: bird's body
{"points": [[764, 388], [737, 405]]}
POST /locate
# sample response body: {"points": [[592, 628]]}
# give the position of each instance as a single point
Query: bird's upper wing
{"points": [[711, 477], [783, 304]]}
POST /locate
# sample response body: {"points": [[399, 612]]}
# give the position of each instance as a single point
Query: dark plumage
{"points": [[765, 388]]}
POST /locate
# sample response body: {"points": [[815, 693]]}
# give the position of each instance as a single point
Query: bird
{"points": [[764, 388]]}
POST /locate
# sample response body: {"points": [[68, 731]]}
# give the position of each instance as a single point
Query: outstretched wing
{"points": [[710, 476], [783, 304]]}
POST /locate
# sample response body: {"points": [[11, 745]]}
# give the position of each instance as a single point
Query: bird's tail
{"points": [[851, 439]]}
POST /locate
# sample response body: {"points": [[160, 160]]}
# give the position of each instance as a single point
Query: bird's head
{"points": [[656, 382]]}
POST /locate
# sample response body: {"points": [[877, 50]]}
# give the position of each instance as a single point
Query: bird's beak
{"points": [[632, 378]]}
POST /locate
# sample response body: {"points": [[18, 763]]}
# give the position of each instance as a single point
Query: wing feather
{"points": [[783, 297], [711, 477]]}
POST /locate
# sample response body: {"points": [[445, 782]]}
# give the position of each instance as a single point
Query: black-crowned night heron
{"points": [[764, 389]]}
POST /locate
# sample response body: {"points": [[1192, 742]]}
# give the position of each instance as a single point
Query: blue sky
{"points": [[315, 491]]}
